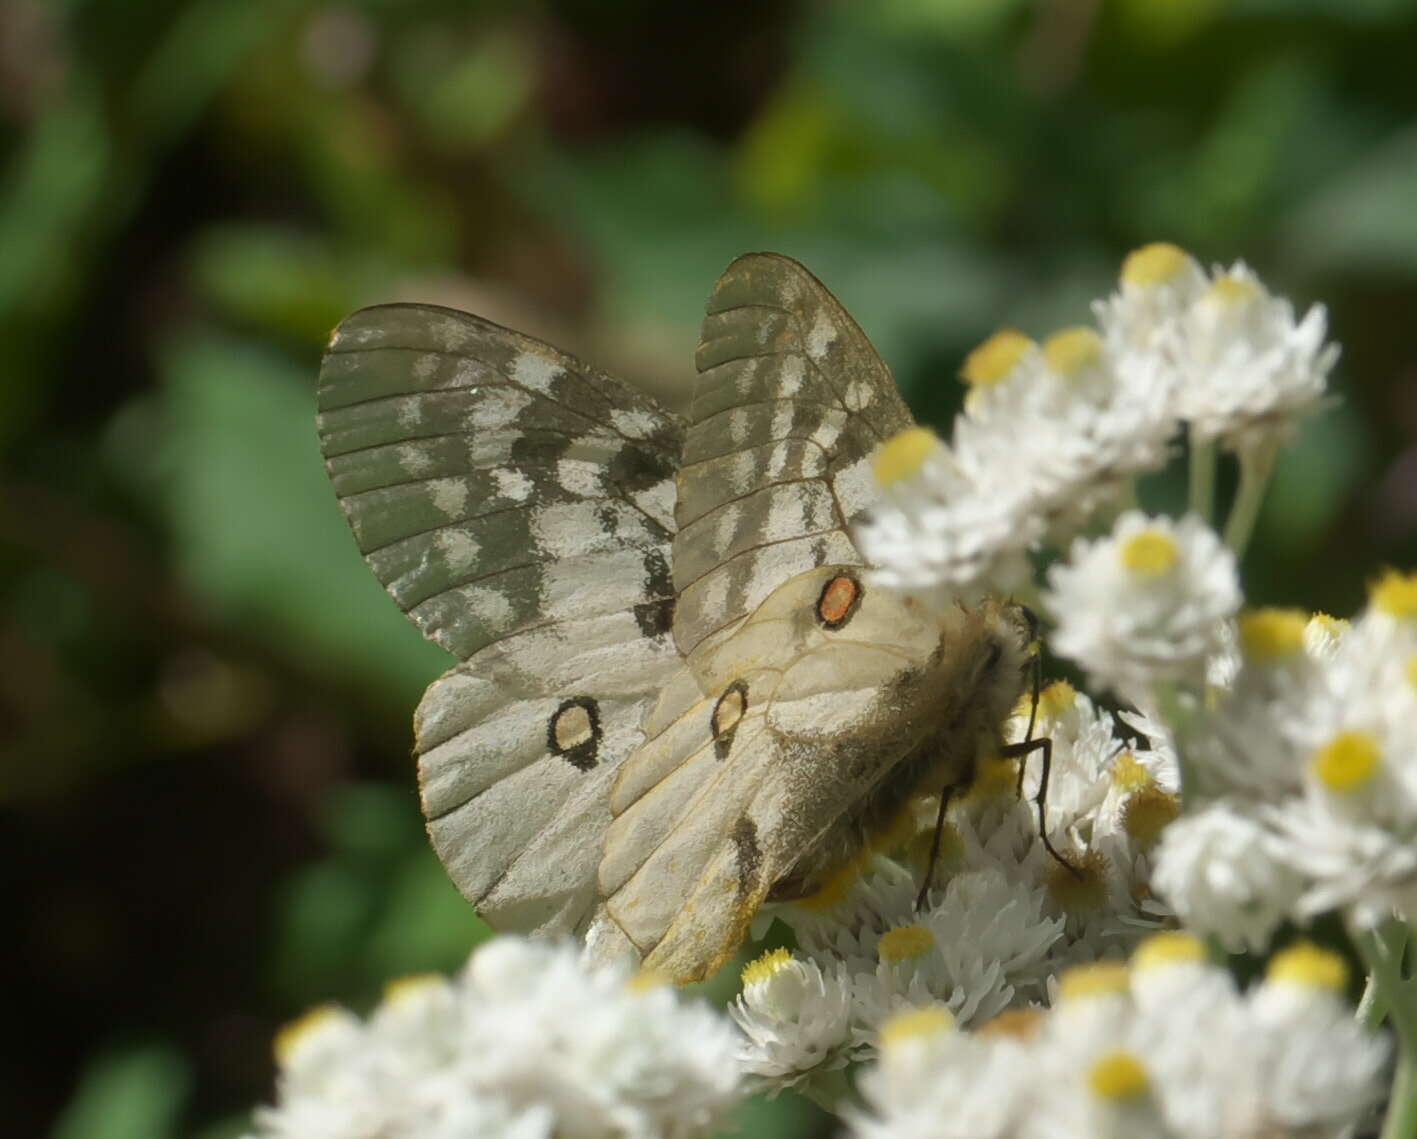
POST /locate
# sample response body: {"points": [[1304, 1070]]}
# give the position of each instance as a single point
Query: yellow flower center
{"points": [[1070, 351], [901, 456], [1272, 634], [1161, 949], [933, 1020], [289, 1037], [993, 776], [1153, 264], [1117, 1076], [993, 360], [1231, 291], [401, 988], [904, 943], [646, 981], [1347, 762], [1101, 978], [1056, 699], [1333, 626], [766, 967], [1019, 1023], [1148, 812], [1412, 671], [1304, 963], [1128, 774], [1081, 886], [1395, 594], [1149, 553]]}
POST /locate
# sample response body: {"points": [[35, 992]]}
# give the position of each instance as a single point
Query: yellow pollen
{"points": [[1304, 963], [1412, 671], [1333, 626], [1117, 1076], [1149, 553], [993, 360], [1232, 290], [834, 890], [1081, 886], [1128, 774], [933, 1020], [1070, 351], [992, 777], [1100, 979], [646, 981], [951, 846], [1272, 634], [401, 988], [290, 1035], [1161, 949], [766, 967], [1057, 698], [1395, 594], [904, 943], [1347, 762], [1148, 812], [1153, 264], [901, 456], [1019, 1023]]}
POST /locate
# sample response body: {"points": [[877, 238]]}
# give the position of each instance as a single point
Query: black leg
{"points": [[1020, 751], [1032, 712], [920, 898]]}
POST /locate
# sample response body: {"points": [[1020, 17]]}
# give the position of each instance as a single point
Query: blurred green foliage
{"points": [[209, 814]]}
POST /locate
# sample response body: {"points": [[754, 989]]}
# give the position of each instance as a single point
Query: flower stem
{"points": [[1383, 950], [1256, 463], [1202, 477]]}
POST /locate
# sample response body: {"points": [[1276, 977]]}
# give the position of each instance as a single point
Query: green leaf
{"points": [[134, 1092]]}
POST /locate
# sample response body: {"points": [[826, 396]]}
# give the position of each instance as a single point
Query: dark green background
{"points": [[209, 817]]}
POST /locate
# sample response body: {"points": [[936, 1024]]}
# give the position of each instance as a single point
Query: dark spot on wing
{"points": [[727, 714], [573, 732], [655, 618], [749, 854]]}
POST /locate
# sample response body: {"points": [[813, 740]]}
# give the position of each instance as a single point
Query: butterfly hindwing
{"points": [[517, 504]]}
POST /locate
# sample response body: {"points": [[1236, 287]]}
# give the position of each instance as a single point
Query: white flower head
{"points": [[1221, 871], [526, 1043], [1145, 605], [1248, 370], [795, 1018], [1158, 284]]}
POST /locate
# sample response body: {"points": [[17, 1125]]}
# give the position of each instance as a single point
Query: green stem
{"points": [[1256, 463], [1373, 1008], [1383, 950], [1401, 1121], [1202, 475]]}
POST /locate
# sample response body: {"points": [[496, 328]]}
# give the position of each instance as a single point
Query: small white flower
{"points": [[1145, 605], [1249, 371], [1158, 284], [526, 1044], [1220, 870], [795, 1018]]}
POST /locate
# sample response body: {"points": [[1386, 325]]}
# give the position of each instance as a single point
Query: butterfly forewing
{"points": [[790, 401], [517, 504]]}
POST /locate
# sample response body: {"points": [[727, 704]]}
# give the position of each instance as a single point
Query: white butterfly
{"points": [[678, 697]]}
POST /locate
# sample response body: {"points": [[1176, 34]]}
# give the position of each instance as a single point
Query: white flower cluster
{"points": [[1002, 917], [1053, 434], [1304, 775], [525, 1044], [1164, 1049]]}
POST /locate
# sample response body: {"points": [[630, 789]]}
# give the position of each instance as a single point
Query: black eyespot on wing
{"points": [[727, 713], [573, 732], [838, 601], [748, 853], [655, 618]]}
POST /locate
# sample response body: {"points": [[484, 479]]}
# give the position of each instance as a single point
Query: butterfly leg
{"points": [[1037, 691], [945, 795], [1021, 750]]}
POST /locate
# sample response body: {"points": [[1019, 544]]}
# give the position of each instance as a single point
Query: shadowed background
{"points": [[209, 820]]}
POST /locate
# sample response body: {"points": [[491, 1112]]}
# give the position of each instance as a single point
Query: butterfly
{"points": [[678, 693]]}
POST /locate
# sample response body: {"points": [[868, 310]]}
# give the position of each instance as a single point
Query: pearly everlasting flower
{"points": [[527, 1043], [1249, 370], [795, 1018], [1222, 873], [1158, 285], [1144, 606]]}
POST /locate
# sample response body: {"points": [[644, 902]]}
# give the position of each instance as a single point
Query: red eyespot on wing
{"points": [[839, 599]]}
